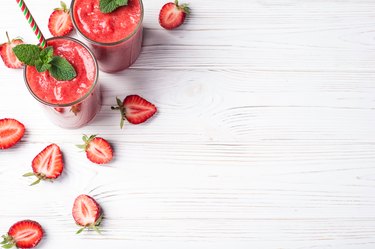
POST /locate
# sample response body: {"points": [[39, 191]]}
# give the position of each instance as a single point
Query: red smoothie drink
{"points": [[72, 103], [116, 37]]}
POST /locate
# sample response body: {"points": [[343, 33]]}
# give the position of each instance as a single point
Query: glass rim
{"points": [[139, 25], [81, 98]]}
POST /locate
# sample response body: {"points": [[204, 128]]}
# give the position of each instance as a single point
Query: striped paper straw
{"points": [[31, 21]]}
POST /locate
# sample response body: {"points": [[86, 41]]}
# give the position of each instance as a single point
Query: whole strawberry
{"points": [[60, 22], [87, 213], [11, 132], [135, 109], [47, 165], [98, 150], [172, 15], [7, 54], [23, 234]]}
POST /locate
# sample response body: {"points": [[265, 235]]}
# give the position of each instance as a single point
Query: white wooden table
{"points": [[264, 137]]}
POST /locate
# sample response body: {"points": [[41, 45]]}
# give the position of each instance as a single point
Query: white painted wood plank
{"points": [[264, 136]]}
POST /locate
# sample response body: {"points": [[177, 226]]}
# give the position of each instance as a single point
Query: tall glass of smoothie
{"points": [[116, 37], [72, 103]]}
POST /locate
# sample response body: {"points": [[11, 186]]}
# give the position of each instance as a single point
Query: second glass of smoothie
{"points": [[116, 37], [72, 103]]}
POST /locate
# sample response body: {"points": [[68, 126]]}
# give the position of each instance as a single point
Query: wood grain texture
{"points": [[264, 137]]}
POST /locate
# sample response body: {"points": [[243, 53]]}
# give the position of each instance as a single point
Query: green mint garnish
{"points": [[43, 60], [27, 53], [108, 6], [61, 69]]}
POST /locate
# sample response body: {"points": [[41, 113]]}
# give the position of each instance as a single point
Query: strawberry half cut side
{"points": [[135, 109], [172, 15], [11, 132], [87, 213], [47, 165], [60, 22], [23, 234], [7, 54], [98, 150]]}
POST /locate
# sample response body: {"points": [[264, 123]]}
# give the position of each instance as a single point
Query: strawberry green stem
{"points": [[122, 111], [8, 241], [39, 177], [6, 32]]}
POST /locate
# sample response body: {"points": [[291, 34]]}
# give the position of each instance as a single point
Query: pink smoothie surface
{"points": [[50, 90], [110, 27]]}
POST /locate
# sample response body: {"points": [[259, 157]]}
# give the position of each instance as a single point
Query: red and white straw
{"points": [[31, 21]]}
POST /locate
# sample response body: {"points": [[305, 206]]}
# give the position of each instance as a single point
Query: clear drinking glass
{"points": [[115, 56], [79, 112]]}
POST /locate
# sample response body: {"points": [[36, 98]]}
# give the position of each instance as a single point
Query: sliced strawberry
{"points": [[11, 131], [76, 109], [87, 213], [23, 234], [48, 164], [98, 150], [7, 54], [135, 109], [172, 15], [60, 23], [59, 109]]}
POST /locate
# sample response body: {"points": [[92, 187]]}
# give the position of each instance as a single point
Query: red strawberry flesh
{"points": [[11, 132], [26, 233], [137, 109], [99, 151], [49, 163], [172, 15], [60, 22], [86, 211], [7, 54]]}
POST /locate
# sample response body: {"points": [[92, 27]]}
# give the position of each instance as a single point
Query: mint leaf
{"points": [[43, 60], [121, 2], [46, 54], [27, 53], [45, 57], [108, 6], [61, 69], [41, 66]]}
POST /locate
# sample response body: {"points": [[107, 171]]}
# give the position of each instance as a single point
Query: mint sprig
{"points": [[27, 53], [43, 60], [61, 69], [108, 6]]}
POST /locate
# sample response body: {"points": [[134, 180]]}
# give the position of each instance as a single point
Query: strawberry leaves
{"points": [[43, 60], [8, 242], [87, 141], [94, 227], [108, 6], [122, 111]]}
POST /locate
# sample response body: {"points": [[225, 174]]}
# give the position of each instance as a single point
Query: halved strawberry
{"points": [[98, 150], [7, 54], [172, 15], [87, 213], [60, 23], [135, 109], [11, 131], [59, 109], [23, 234], [48, 164], [76, 109]]}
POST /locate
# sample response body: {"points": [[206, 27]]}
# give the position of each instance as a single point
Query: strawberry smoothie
{"points": [[116, 37], [73, 103]]}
